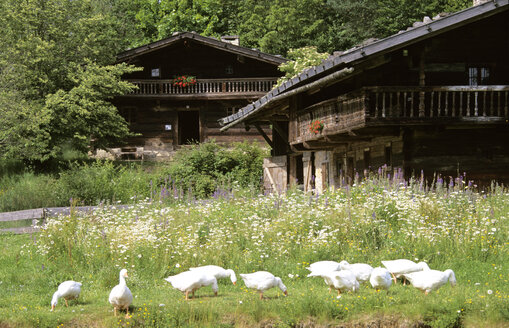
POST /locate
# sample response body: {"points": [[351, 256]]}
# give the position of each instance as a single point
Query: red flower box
{"points": [[316, 126], [183, 81]]}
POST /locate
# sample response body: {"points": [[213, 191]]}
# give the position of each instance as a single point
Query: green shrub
{"points": [[91, 184], [104, 181], [11, 167], [197, 172], [207, 167]]}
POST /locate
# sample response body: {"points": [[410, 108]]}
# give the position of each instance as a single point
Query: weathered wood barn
{"points": [[431, 99], [221, 76]]}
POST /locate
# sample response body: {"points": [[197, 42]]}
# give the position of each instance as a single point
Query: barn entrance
{"points": [[189, 127]]}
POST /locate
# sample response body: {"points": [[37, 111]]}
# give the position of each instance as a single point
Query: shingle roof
{"points": [[419, 31], [212, 42]]}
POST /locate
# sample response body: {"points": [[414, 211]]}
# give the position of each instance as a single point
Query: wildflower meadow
{"points": [[448, 225]]}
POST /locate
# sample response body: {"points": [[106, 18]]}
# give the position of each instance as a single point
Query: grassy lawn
{"points": [[448, 227]]}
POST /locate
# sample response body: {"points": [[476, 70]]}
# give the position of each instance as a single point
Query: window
{"points": [[228, 69], [155, 72], [478, 76]]}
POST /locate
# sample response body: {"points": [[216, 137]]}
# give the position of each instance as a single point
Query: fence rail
{"points": [[38, 214], [433, 102], [203, 86]]}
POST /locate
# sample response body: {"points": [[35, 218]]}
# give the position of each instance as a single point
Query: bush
{"points": [[207, 167], [104, 181], [196, 172]]}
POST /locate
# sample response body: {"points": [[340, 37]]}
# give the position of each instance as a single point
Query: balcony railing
{"points": [[402, 105], [204, 86]]}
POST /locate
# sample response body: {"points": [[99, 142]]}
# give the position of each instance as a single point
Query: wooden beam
{"points": [[315, 145], [297, 148], [22, 215], [264, 135]]}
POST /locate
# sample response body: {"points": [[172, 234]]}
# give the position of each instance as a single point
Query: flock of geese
{"points": [[341, 276]]}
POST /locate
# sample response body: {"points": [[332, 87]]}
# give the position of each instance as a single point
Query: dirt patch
{"points": [[367, 322]]}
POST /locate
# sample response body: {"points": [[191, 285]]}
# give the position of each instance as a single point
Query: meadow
{"points": [[449, 224]]}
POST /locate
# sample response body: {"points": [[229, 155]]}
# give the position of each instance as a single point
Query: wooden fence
{"points": [[204, 86], [39, 215]]}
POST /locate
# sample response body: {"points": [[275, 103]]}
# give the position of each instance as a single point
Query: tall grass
{"points": [[199, 172], [447, 225]]}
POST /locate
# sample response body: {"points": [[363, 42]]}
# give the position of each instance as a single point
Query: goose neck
{"points": [[54, 299]]}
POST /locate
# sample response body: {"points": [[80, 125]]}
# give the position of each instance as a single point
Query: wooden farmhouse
{"points": [[219, 76], [432, 99]]}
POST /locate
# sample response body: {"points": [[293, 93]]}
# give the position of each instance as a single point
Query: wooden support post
{"points": [[422, 83]]}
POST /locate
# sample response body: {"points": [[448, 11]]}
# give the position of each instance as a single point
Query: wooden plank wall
{"points": [[152, 116], [481, 153], [275, 174]]}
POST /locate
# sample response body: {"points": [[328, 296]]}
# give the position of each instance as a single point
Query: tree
{"points": [[351, 22], [45, 46], [21, 132], [301, 59], [83, 115], [293, 24], [395, 15]]}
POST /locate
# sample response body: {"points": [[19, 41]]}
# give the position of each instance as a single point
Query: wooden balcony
{"points": [[204, 88], [398, 106]]}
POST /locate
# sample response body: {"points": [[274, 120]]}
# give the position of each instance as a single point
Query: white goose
{"points": [[68, 290], [263, 280], [343, 280], [362, 271], [217, 272], [399, 267], [120, 296], [190, 281], [324, 266], [380, 278], [431, 279]]}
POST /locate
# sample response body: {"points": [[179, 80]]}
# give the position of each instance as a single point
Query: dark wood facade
{"points": [[165, 115], [432, 99]]}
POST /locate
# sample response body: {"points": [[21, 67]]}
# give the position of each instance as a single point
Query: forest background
{"points": [[57, 57]]}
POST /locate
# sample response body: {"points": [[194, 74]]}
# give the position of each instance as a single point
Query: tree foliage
{"points": [[47, 97], [300, 59], [275, 26], [83, 114]]}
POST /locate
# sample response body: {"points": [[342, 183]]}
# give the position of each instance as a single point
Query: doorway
{"points": [[189, 127]]}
